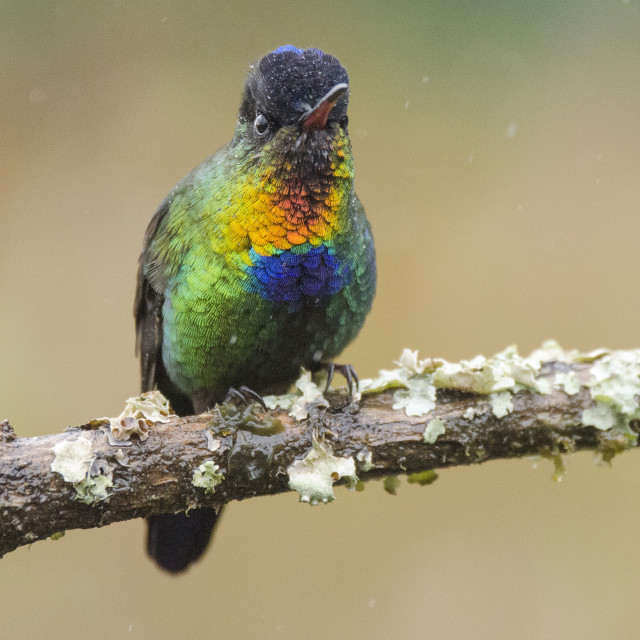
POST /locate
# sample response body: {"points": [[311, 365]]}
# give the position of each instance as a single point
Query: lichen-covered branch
{"points": [[423, 415]]}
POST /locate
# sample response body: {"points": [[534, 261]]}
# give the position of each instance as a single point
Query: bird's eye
{"points": [[261, 125], [344, 122]]}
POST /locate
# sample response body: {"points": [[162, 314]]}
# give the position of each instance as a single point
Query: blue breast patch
{"points": [[293, 277]]}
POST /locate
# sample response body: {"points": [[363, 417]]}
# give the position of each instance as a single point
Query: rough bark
{"points": [[156, 475]]}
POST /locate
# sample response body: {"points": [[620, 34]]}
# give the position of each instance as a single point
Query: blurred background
{"points": [[497, 152]]}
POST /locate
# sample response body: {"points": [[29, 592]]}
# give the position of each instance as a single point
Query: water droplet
{"points": [[38, 95]]}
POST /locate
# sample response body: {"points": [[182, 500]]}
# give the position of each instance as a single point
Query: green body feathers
{"points": [[258, 264]]}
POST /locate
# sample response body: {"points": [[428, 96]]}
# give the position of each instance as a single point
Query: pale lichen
{"points": [[501, 403], [432, 430], [567, 381], [206, 476], [409, 360], [419, 397], [615, 380], [93, 489], [140, 413], [308, 395], [602, 417], [213, 444], [504, 370], [548, 352], [73, 460], [552, 351], [614, 385], [471, 412], [314, 475], [364, 459], [474, 376], [409, 365], [612, 378], [418, 380], [386, 379]]}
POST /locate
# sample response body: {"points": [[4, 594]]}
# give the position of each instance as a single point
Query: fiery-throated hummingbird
{"points": [[259, 262]]}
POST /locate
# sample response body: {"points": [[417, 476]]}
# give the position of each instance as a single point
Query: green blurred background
{"points": [[497, 153]]}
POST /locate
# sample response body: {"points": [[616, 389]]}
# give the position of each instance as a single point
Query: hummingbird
{"points": [[259, 262]]}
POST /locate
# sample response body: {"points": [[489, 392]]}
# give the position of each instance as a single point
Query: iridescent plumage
{"points": [[261, 260]]}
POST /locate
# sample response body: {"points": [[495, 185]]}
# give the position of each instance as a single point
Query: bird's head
{"points": [[294, 109]]}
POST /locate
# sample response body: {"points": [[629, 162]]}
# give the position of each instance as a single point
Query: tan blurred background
{"points": [[498, 156]]}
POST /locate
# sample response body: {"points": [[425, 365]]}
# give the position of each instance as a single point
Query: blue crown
{"points": [[289, 47]]}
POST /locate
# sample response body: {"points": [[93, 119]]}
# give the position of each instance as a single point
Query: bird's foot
{"points": [[347, 370], [244, 396], [237, 415]]}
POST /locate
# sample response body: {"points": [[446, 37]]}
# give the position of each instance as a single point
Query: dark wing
{"points": [[151, 286], [148, 309]]}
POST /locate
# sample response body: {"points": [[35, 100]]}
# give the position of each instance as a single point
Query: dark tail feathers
{"points": [[174, 541]]}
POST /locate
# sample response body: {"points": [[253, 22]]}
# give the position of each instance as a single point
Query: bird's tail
{"points": [[174, 541]]}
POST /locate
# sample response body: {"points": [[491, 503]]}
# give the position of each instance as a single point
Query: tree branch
{"points": [[253, 451]]}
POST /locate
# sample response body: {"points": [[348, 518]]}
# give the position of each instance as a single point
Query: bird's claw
{"points": [[347, 370], [244, 395]]}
